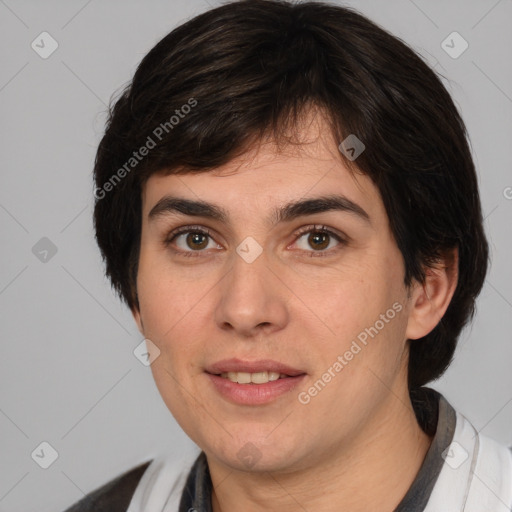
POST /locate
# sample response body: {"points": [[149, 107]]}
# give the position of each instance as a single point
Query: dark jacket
{"points": [[115, 496]]}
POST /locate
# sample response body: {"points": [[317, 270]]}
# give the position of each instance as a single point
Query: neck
{"points": [[379, 467]]}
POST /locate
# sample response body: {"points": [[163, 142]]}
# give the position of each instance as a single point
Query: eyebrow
{"points": [[169, 205]]}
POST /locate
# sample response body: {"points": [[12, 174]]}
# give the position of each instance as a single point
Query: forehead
{"points": [[268, 175]]}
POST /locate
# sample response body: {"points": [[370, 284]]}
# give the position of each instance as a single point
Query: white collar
{"points": [[476, 475]]}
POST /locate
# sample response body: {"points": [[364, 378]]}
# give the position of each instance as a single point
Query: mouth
{"points": [[253, 382], [252, 372], [252, 378]]}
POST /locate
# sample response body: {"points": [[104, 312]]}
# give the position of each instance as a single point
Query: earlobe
{"points": [[430, 300]]}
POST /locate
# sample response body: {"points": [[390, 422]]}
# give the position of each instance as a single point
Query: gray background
{"points": [[67, 369]]}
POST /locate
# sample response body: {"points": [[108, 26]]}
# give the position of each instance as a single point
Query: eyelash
{"points": [[305, 230]]}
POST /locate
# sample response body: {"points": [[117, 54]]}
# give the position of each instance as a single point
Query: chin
{"points": [[248, 454]]}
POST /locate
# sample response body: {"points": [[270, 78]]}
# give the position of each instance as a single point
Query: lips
{"points": [[253, 383]]}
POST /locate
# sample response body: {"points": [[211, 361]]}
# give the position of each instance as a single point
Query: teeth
{"points": [[252, 378], [258, 378]]}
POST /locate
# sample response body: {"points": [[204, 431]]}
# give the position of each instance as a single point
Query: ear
{"points": [[430, 300]]}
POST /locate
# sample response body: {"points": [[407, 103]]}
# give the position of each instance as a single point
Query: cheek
{"points": [[170, 321], [364, 308], [358, 366], [353, 298], [167, 296]]}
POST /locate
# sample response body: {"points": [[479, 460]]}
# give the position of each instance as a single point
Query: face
{"points": [[281, 283]]}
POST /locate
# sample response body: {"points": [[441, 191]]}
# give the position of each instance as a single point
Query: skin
{"points": [[356, 442]]}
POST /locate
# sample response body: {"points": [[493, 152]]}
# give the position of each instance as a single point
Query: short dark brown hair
{"points": [[248, 69]]}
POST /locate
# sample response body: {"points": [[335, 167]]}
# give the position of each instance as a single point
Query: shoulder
{"points": [[114, 496], [476, 475], [493, 472]]}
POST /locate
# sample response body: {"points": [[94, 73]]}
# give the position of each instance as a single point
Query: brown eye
{"points": [[191, 241], [196, 240], [318, 240]]}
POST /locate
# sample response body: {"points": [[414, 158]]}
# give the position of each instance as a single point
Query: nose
{"points": [[252, 299]]}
